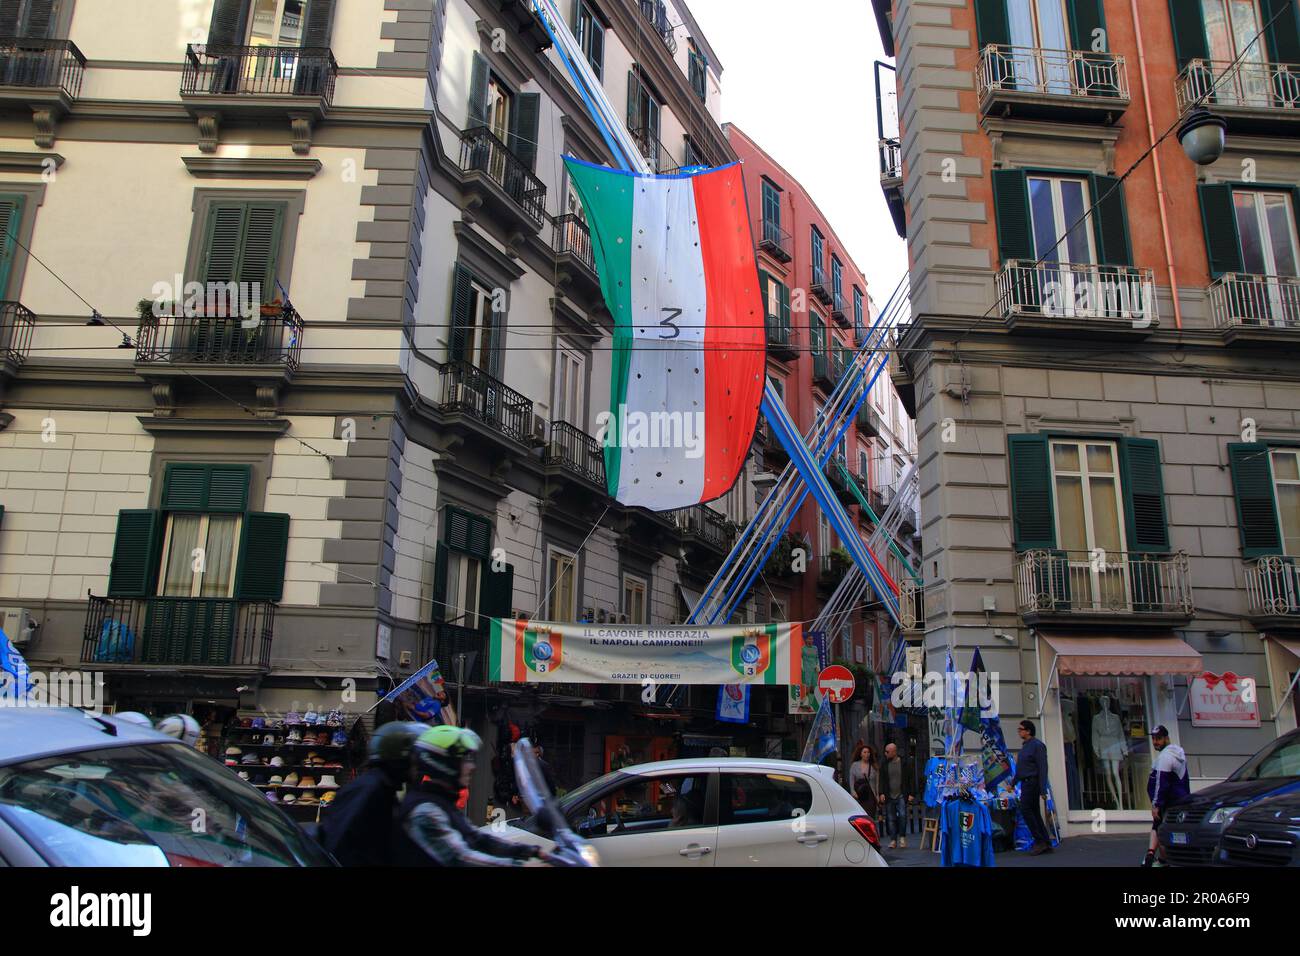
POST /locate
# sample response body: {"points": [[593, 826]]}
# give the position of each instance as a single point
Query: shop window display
{"points": [[1105, 725]]}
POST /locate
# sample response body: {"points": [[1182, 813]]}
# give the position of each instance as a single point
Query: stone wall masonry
{"points": [[415, 543], [519, 532], [302, 486]]}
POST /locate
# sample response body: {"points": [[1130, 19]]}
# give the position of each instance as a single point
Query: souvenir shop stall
{"points": [[298, 760]]}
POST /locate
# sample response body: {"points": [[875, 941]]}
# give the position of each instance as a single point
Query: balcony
{"points": [[775, 241], [445, 642], [575, 260], [1077, 299], [837, 311], [497, 179], [472, 397], [655, 13], [252, 83], [891, 182], [202, 634], [868, 421], [571, 451], [911, 606], [1273, 592], [831, 569], [1103, 586], [704, 525], [823, 372], [527, 22], [780, 338], [820, 286], [1070, 85], [839, 477], [16, 325], [43, 76], [1256, 309], [1253, 97], [774, 454], [654, 152]]}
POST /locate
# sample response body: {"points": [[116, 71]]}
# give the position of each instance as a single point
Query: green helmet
{"points": [[440, 752], [391, 743]]}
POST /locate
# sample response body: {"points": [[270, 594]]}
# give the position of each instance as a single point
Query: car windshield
{"points": [[147, 805], [1280, 759]]}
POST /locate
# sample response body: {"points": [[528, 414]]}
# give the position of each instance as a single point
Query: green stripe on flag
{"points": [[494, 650], [774, 659]]}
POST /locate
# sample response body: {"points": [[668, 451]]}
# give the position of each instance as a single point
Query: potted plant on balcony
{"points": [[780, 563], [838, 565]]}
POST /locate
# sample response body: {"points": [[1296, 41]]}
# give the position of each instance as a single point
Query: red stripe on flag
{"points": [[734, 341], [521, 672]]}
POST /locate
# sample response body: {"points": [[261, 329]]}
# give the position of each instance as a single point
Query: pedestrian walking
{"points": [[1031, 774], [1167, 786], [864, 777], [895, 794]]}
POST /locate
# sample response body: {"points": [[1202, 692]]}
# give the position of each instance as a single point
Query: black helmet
{"points": [[440, 752], [391, 743]]}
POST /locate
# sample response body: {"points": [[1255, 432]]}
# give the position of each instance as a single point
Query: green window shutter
{"points": [[134, 567], [440, 583], [11, 217], [260, 251], [1283, 36], [478, 84], [319, 24], [1252, 483], [1219, 217], [461, 319], [783, 294], [206, 488], [1189, 31], [1111, 221], [480, 537], [1144, 495], [1031, 492], [263, 547], [1011, 208], [771, 205], [764, 280], [524, 125], [228, 488], [229, 20], [991, 23], [9, 18], [38, 19], [467, 532], [497, 592], [596, 53], [225, 229], [1086, 17], [633, 101]]}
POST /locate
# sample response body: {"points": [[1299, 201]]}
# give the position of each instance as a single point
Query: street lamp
{"points": [[1202, 136]]}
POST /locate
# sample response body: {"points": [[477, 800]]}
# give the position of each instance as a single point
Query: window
{"points": [[817, 343], [199, 556], [511, 118], [864, 462], [643, 118], [1055, 205], [38, 19], [472, 335], [837, 281], [698, 71], [777, 301], [562, 586], [11, 217], [771, 212], [818, 257], [1286, 488], [634, 599], [468, 590], [1040, 24], [762, 798], [1105, 723], [1251, 244], [1266, 225], [242, 245], [824, 539], [276, 22], [1088, 517], [643, 805], [859, 320], [1231, 28], [570, 386], [464, 573], [590, 32]]}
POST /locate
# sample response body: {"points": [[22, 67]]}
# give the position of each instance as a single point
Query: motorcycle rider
{"points": [[358, 826], [430, 830]]}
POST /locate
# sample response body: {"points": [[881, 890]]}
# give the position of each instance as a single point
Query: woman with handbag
{"points": [[864, 777]]}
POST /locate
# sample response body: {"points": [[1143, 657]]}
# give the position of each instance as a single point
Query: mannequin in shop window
{"points": [[1108, 744], [1070, 736]]}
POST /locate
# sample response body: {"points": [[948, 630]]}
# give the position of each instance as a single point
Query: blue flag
{"points": [[821, 735], [733, 703], [15, 678]]}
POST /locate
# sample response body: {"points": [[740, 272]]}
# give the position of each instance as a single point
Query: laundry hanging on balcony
{"points": [[676, 262]]}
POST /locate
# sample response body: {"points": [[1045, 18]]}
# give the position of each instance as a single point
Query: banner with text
{"points": [[543, 652]]}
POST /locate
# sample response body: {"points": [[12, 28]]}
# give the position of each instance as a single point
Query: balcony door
{"points": [[1266, 225], [1090, 523], [1055, 205], [643, 119], [1231, 29], [199, 556], [1038, 31], [1286, 488], [570, 387], [562, 586], [277, 22]]}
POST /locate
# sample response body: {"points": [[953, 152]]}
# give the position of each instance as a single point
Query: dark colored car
{"points": [[1191, 831], [1266, 833], [82, 790]]}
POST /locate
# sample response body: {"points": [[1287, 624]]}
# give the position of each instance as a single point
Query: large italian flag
{"points": [[676, 263]]}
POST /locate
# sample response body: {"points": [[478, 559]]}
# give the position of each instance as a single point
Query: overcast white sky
{"points": [[798, 78]]}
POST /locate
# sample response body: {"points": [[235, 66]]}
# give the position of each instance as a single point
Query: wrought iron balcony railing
{"points": [[1103, 582], [223, 339], [1255, 301], [16, 325], [868, 420], [1273, 587], [481, 151], [656, 12], [1050, 290], [42, 64], [572, 236], [468, 389], [572, 449], [820, 285], [779, 333], [1242, 85], [823, 374], [446, 642], [705, 524], [911, 605], [775, 240], [656, 153], [891, 159], [259, 71], [196, 632], [1064, 73]]}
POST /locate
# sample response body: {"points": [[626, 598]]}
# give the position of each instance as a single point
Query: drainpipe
{"points": [[1155, 165]]}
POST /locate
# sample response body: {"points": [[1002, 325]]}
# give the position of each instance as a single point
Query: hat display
{"points": [[243, 775], [327, 782], [312, 759], [233, 751], [292, 779], [272, 796], [293, 717], [248, 759], [246, 722], [268, 740], [308, 781], [327, 797], [340, 739], [289, 798], [259, 722], [295, 737], [275, 780], [308, 798], [335, 718], [310, 717]]}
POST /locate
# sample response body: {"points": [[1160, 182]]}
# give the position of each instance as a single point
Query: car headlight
{"points": [[1223, 815], [588, 854]]}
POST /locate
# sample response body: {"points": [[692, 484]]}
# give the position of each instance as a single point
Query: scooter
{"points": [[569, 850]]}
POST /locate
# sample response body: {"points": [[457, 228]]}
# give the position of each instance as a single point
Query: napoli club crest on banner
{"points": [[751, 653], [543, 651]]}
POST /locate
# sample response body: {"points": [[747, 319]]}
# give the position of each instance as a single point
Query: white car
{"points": [[720, 811]]}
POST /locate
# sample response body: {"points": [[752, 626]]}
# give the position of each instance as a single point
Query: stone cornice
{"points": [[251, 167]]}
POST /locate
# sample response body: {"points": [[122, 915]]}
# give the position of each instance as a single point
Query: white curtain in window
{"points": [[178, 576], [219, 558]]}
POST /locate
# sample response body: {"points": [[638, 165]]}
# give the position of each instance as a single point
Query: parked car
{"points": [[1266, 833], [723, 811], [84, 790], [1191, 831]]}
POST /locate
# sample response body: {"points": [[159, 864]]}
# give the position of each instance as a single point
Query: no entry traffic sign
{"points": [[837, 681]]}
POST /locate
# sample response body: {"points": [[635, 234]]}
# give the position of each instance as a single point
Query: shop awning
{"points": [[692, 598], [1291, 644], [1162, 654]]}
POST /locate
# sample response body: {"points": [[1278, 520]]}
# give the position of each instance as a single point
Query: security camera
{"points": [[1002, 636], [241, 688]]}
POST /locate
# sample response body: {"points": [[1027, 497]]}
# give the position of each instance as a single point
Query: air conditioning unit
{"points": [[17, 625], [539, 430]]}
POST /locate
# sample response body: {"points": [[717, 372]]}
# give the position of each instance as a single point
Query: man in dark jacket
{"points": [[357, 827], [1031, 774], [895, 795]]}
